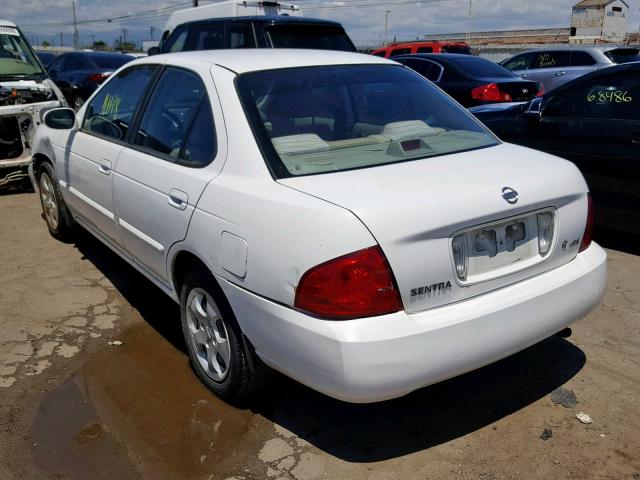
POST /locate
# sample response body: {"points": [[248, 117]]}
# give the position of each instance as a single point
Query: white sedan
{"points": [[330, 215]]}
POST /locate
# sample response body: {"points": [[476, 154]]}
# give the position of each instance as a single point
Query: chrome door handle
{"points": [[524, 75], [178, 199], [104, 166], [559, 74]]}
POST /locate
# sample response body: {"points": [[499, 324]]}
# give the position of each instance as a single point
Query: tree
{"points": [[45, 44], [127, 46], [99, 45]]}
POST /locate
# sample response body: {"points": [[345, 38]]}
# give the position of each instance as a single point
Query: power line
{"points": [[111, 19]]}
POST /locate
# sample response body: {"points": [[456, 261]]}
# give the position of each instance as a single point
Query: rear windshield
{"points": [[624, 55], [110, 61], [479, 67], [456, 49], [326, 119], [321, 37]]}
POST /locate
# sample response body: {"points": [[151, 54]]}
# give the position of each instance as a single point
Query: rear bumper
{"points": [[373, 359]]}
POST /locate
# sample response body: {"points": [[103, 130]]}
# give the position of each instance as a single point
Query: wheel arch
{"points": [[184, 261], [38, 159]]}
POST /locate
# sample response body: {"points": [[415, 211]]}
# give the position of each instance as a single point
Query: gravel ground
{"points": [[95, 383]]}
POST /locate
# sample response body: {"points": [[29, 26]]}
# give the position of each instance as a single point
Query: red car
{"points": [[406, 48]]}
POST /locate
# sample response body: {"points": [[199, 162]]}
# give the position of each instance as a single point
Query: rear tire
{"points": [[55, 212], [220, 355]]}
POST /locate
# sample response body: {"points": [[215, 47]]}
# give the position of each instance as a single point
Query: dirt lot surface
{"points": [[75, 406]]}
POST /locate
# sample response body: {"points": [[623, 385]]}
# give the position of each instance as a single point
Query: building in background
{"points": [[595, 21]]}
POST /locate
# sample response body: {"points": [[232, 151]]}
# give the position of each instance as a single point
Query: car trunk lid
{"points": [[415, 209]]}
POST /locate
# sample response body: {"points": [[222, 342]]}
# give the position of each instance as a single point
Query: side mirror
{"points": [[153, 51], [60, 119]]}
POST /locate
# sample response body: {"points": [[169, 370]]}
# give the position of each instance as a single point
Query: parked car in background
{"points": [[232, 24], [257, 32], [472, 80], [45, 56], [405, 48], [332, 215], [25, 93], [594, 121], [78, 74], [557, 66]]}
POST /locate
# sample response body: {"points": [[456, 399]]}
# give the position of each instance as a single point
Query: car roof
{"points": [[7, 23], [281, 19], [591, 48], [447, 58], [252, 60], [631, 67]]}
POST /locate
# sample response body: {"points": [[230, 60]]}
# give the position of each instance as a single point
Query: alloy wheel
{"points": [[49, 204], [208, 334]]}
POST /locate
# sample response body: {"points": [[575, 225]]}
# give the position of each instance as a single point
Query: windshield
{"points": [[326, 119], [111, 62], [16, 58], [624, 55], [320, 37], [479, 67]]}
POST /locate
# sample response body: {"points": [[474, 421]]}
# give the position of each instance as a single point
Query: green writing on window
{"points": [[609, 96], [110, 106]]}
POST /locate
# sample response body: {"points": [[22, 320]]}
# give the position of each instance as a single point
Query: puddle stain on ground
{"points": [[137, 412]]}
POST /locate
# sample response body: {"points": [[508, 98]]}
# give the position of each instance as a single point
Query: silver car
{"points": [[557, 66]]}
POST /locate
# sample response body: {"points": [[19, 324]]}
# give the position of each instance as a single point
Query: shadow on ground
{"points": [[355, 433]]}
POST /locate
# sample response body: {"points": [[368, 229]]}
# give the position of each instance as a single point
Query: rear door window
{"points": [[552, 59], [461, 49], [614, 96], [400, 51], [58, 64], [425, 50], [177, 123], [111, 111], [520, 62], [240, 35], [581, 59], [78, 62], [428, 69], [321, 37]]}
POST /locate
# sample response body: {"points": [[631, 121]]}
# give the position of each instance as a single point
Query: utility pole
{"points": [[195, 3], [75, 26], [470, 24], [124, 35], [61, 38], [386, 26], [151, 29]]}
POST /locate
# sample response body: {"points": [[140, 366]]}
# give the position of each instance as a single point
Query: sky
{"points": [[363, 19]]}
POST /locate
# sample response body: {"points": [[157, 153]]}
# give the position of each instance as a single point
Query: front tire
{"points": [[221, 357], [54, 210]]}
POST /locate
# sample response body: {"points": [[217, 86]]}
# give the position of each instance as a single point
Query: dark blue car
{"points": [[471, 80], [78, 74], [594, 121]]}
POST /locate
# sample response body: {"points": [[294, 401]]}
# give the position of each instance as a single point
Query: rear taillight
{"points": [[98, 77], [588, 229], [356, 285], [490, 93], [541, 91]]}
